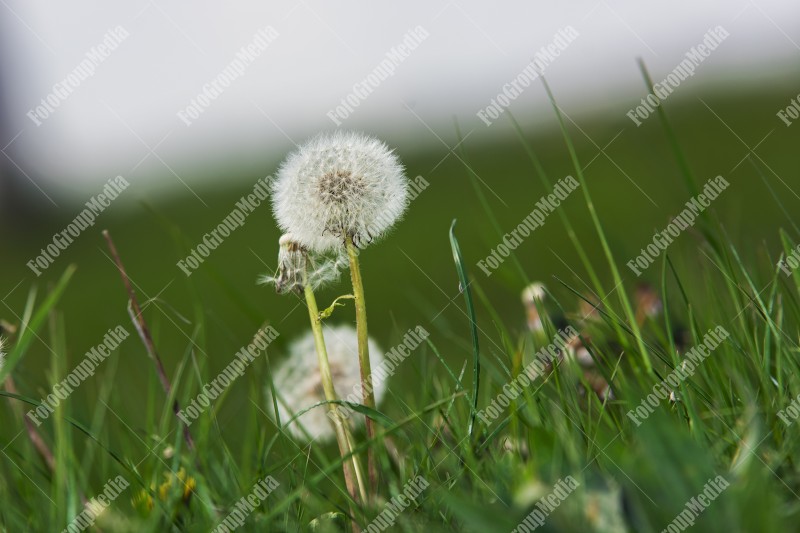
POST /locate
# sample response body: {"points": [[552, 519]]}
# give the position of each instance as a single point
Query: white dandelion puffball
{"points": [[298, 384], [534, 291], [533, 295], [337, 185]]}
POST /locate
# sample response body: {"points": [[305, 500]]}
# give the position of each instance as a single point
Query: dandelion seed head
{"points": [[298, 383], [533, 295], [534, 291], [337, 185]]}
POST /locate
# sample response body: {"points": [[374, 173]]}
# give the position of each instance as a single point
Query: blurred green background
{"points": [[409, 276]]}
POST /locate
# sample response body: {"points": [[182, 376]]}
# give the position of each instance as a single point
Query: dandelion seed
{"points": [[340, 185], [298, 383]]}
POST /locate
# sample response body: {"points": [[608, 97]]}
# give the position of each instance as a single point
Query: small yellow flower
{"points": [[180, 481]]}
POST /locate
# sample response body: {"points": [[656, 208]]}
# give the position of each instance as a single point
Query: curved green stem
{"points": [[363, 353]]}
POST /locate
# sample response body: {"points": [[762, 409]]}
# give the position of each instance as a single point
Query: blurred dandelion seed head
{"points": [[534, 291], [298, 383], [532, 296]]}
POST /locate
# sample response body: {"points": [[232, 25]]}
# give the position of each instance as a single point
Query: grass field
{"points": [[555, 453]]}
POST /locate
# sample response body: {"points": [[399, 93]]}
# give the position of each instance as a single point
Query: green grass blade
{"points": [[476, 356], [600, 232], [30, 328]]}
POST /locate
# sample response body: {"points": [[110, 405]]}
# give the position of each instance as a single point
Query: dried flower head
{"points": [[338, 185], [648, 303], [296, 267], [298, 383]]}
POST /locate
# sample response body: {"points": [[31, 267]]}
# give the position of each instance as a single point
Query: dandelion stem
{"points": [[363, 354], [351, 445], [349, 466]]}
